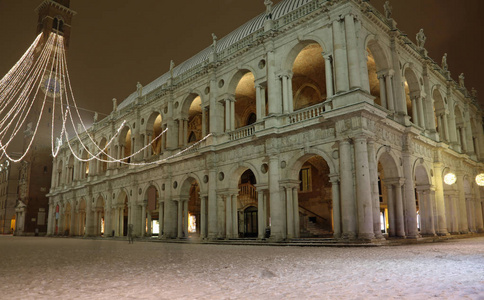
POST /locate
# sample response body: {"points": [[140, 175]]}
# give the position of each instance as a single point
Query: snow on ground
{"points": [[67, 268]]}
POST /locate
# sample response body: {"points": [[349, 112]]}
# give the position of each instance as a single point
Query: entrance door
{"points": [[250, 217]]}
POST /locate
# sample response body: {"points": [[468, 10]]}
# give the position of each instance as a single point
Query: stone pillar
{"points": [[295, 201], [289, 212], [348, 207], [180, 219], [340, 58], [328, 69], [228, 121], [89, 218], [232, 114], [439, 200], [235, 224], [389, 89], [221, 216], [375, 193], [203, 217], [273, 85], [446, 126], [50, 219], [410, 206], [228, 216], [161, 208], [383, 91], [336, 205], [116, 221], [72, 221], [258, 102], [415, 117], [420, 111], [260, 214], [478, 210], [170, 217], [290, 92], [391, 209], [285, 94], [212, 204], [185, 217], [204, 122], [143, 219], [399, 219], [277, 206], [352, 49], [363, 190]]}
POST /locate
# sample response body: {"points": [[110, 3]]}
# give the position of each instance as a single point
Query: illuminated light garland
{"points": [[480, 179], [450, 178]]}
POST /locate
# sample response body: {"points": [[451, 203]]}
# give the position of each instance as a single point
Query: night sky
{"points": [[114, 44]]}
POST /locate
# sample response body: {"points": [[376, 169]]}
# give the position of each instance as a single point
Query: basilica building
{"points": [[314, 119]]}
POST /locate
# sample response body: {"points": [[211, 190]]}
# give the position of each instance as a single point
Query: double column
{"points": [[230, 114], [292, 210], [260, 97], [387, 95], [261, 210], [395, 207], [231, 223], [426, 210], [182, 132], [287, 96]]}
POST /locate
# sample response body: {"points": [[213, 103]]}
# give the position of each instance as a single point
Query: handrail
{"points": [[318, 216]]}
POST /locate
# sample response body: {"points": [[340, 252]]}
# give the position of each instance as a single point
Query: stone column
{"points": [[352, 49], [235, 224], [203, 217], [170, 217], [116, 221], [439, 200], [277, 206], [410, 206], [185, 217], [258, 102], [415, 117], [340, 58], [285, 94], [89, 218], [149, 232], [348, 207], [260, 214], [391, 209], [420, 111], [143, 218], [295, 201], [463, 224], [478, 210], [204, 122], [180, 219], [363, 190], [161, 207], [290, 93], [50, 219], [375, 193], [289, 212], [389, 89], [334, 179], [399, 219], [228, 120], [383, 91], [273, 85], [212, 204], [328, 69], [72, 221]]}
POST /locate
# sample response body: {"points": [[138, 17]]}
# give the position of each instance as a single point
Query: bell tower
{"points": [[35, 175], [55, 16]]}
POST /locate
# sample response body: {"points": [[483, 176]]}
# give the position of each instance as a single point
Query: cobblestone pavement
{"points": [[70, 268]]}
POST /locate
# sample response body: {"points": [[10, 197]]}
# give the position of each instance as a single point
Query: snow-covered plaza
{"points": [[67, 268]]}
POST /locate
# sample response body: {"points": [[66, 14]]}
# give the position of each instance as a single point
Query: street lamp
{"points": [[480, 179], [450, 178]]}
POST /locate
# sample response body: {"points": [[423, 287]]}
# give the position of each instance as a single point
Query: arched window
{"points": [[58, 25]]}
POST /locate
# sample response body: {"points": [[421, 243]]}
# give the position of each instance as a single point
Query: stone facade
{"points": [[317, 118]]}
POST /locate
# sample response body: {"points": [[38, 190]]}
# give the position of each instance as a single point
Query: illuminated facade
{"points": [[315, 119]]}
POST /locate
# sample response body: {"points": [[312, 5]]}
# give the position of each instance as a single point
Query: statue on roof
{"points": [[474, 93], [421, 38], [445, 67], [139, 89], [268, 4], [115, 104], [388, 10], [79, 128], [461, 80], [95, 116], [214, 43], [172, 66]]}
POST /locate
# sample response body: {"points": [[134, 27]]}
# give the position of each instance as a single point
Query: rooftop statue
{"points": [[388, 10], [95, 117], [421, 38], [445, 67], [115, 104], [474, 93], [172, 66], [461, 80], [268, 4], [139, 88], [214, 43]]}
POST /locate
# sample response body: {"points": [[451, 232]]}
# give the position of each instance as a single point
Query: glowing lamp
{"points": [[450, 178], [480, 179]]}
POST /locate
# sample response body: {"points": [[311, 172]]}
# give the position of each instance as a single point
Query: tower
{"points": [[35, 172]]}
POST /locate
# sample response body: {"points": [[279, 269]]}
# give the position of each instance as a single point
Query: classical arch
{"points": [[154, 127], [440, 114], [99, 216], [120, 213], [242, 86], [391, 196], [103, 165], [308, 75], [190, 213], [124, 144], [191, 120], [378, 72], [412, 97], [153, 217]]}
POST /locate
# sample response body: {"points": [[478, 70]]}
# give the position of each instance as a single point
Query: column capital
{"points": [[334, 178]]}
